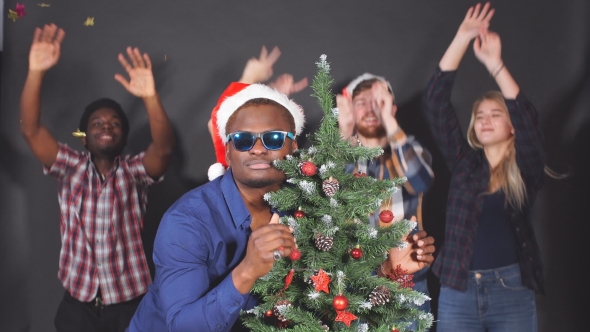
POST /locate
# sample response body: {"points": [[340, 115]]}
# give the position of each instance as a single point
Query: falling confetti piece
{"points": [[78, 133], [44, 5], [165, 57], [20, 10], [89, 21], [12, 15]]}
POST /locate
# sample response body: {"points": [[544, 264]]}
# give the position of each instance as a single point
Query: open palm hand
{"points": [[45, 49], [141, 79], [476, 19]]}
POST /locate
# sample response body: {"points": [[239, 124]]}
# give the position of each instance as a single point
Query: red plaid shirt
{"points": [[101, 226]]}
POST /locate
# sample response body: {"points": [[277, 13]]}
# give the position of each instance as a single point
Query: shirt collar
{"points": [[239, 213], [88, 156]]}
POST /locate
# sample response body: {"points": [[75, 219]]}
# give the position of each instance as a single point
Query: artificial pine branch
{"points": [[342, 221]]}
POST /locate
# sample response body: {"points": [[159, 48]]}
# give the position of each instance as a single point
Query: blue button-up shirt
{"points": [[200, 240]]}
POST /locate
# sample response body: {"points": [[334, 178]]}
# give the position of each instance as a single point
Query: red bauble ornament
{"points": [[386, 216], [395, 330], [356, 253], [269, 313], [299, 214], [360, 175], [308, 168], [295, 255], [340, 302]]}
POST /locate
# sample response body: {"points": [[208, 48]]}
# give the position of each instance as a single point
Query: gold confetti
{"points": [[12, 15], [44, 5], [89, 21], [165, 57], [78, 133]]}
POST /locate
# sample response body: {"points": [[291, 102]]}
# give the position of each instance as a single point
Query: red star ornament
{"points": [[321, 281], [345, 317]]}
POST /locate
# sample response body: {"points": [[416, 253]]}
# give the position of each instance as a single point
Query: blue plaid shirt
{"points": [[470, 177], [403, 157]]}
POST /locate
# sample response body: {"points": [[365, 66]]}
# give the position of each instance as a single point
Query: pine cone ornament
{"points": [[330, 186], [278, 312], [380, 295], [323, 242]]}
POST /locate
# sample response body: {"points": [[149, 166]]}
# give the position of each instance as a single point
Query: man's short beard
{"points": [[261, 183], [372, 132]]}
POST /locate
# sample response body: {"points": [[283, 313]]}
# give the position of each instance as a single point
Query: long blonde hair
{"points": [[506, 175]]}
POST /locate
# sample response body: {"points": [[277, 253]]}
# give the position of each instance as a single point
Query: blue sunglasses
{"points": [[272, 140]]}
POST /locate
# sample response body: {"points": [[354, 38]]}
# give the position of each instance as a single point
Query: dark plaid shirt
{"points": [[470, 177]]}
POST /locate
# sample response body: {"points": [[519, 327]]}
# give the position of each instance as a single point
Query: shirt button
{"points": [[477, 275], [99, 265], [524, 245], [517, 229]]}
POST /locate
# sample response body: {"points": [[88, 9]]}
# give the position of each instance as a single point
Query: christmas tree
{"points": [[330, 282]]}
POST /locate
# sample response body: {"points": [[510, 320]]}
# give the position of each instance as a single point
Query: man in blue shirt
{"points": [[218, 239]]}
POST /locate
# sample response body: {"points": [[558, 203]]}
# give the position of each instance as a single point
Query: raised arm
{"points": [[488, 50], [529, 141], [438, 109], [44, 54], [259, 70], [407, 155], [141, 84], [476, 19], [345, 115]]}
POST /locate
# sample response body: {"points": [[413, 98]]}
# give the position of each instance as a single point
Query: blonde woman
{"points": [[489, 265]]}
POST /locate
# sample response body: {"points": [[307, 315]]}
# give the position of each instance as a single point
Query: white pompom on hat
{"points": [[234, 97], [349, 89]]}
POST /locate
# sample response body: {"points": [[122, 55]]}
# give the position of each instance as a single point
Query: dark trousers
{"points": [[75, 316]]}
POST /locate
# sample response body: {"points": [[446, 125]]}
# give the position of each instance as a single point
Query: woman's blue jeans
{"points": [[495, 301]]}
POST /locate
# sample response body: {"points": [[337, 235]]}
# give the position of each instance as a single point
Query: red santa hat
{"points": [[234, 97], [347, 91]]}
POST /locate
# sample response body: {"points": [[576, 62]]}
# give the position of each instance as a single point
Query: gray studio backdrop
{"points": [[198, 47]]}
